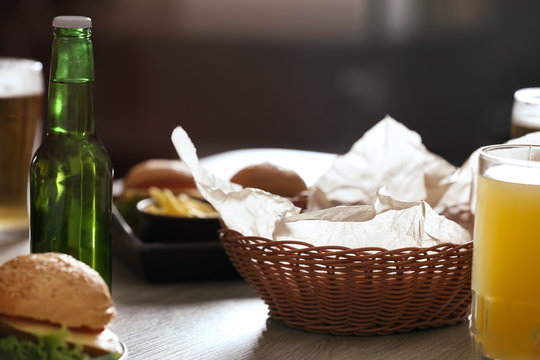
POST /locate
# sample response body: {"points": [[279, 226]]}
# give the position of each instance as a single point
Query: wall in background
{"points": [[304, 74]]}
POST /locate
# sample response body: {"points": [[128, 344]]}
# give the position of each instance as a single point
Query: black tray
{"points": [[168, 262], [204, 260]]}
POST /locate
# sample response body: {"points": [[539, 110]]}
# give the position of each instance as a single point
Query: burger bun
{"points": [[160, 173], [56, 288], [271, 178]]}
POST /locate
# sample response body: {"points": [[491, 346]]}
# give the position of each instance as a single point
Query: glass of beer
{"points": [[21, 114], [505, 319], [525, 112]]}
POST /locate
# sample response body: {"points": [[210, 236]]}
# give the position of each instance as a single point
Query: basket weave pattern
{"points": [[367, 291]]}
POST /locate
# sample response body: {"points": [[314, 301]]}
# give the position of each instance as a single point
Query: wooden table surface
{"points": [[226, 320]]}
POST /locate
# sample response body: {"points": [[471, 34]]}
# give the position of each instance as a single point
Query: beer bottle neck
{"points": [[71, 83]]}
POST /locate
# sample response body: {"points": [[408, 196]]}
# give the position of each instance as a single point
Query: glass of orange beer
{"points": [[505, 319], [21, 114]]}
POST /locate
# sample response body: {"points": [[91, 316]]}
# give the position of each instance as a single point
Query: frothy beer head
{"points": [[20, 77]]}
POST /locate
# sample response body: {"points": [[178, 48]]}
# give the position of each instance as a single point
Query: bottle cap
{"points": [[79, 22]]}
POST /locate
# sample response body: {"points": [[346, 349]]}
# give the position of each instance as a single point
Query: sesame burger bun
{"points": [[160, 173], [55, 288], [274, 179]]}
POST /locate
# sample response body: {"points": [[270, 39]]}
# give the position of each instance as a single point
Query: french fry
{"points": [[166, 203]]}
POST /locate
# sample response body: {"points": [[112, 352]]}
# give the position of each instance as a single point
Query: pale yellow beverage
{"points": [[505, 321]]}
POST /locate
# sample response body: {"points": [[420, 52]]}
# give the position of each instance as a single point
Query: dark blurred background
{"points": [[302, 74]]}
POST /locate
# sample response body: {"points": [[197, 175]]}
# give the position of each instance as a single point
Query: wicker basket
{"points": [[367, 291]]}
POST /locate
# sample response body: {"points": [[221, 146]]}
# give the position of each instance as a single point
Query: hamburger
{"points": [[274, 179], [153, 173], [53, 306]]}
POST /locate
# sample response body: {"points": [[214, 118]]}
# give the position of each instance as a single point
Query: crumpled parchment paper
{"points": [[388, 170], [388, 154], [387, 223]]}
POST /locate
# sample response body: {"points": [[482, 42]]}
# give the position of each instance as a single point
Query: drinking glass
{"points": [[505, 320], [525, 112], [21, 113]]}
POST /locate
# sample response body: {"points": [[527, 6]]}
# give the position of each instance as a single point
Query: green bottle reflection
{"points": [[71, 173]]}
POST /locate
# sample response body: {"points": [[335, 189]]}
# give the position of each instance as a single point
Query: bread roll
{"points": [[274, 179], [55, 288]]}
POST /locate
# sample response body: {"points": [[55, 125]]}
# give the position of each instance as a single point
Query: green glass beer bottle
{"points": [[71, 173]]}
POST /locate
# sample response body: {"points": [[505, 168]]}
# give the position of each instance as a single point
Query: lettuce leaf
{"points": [[13, 349], [49, 347]]}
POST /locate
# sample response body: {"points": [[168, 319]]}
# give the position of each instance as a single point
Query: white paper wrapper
{"points": [[248, 211], [462, 184], [388, 224], [384, 223], [387, 155]]}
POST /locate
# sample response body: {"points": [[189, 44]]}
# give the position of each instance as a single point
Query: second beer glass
{"points": [[525, 112]]}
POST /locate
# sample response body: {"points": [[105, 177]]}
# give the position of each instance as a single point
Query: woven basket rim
{"points": [[345, 249]]}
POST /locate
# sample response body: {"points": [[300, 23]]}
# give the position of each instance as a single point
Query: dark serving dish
{"points": [[155, 262], [167, 229], [193, 259]]}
